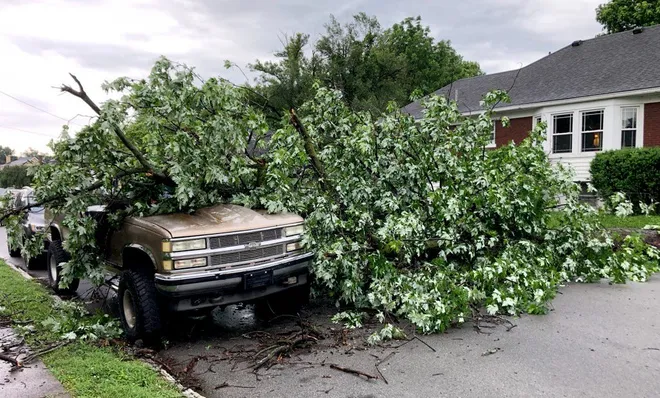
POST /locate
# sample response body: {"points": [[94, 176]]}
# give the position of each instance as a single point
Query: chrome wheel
{"points": [[52, 268], [129, 311]]}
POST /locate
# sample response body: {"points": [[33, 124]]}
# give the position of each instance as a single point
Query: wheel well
{"points": [[55, 233], [135, 258]]}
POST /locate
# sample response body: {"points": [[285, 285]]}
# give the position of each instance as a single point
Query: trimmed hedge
{"points": [[634, 171]]}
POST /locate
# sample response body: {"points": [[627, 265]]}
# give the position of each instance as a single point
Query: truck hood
{"points": [[220, 219]]}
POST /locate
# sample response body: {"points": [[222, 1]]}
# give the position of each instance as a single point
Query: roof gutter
{"points": [[620, 94]]}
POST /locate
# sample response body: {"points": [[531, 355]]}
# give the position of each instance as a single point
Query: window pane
{"points": [[592, 142], [592, 120], [628, 138], [562, 143], [563, 123], [629, 118]]}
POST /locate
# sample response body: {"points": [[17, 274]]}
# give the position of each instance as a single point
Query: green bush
{"points": [[634, 171]]}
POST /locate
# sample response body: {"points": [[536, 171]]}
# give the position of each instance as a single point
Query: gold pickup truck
{"points": [[217, 256]]}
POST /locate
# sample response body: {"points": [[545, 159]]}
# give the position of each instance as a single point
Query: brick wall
{"points": [[517, 131], [652, 124]]}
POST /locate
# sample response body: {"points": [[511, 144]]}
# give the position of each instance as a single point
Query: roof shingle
{"points": [[606, 64]]}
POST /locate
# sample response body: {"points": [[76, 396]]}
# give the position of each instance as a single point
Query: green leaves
{"points": [[418, 219], [621, 15]]}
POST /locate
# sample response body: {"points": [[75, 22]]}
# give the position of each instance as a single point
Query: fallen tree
{"points": [[413, 218], [416, 218]]}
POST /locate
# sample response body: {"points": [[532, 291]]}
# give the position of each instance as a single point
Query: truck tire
{"points": [[288, 302], [139, 311], [35, 262], [14, 252], [56, 256]]}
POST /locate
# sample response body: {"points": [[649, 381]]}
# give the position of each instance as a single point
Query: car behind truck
{"points": [[217, 256]]}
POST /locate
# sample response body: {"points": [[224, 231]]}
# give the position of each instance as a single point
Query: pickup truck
{"points": [[216, 256]]}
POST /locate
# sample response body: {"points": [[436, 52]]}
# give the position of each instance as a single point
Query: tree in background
{"points": [[429, 65], [4, 152], [369, 65], [33, 153], [621, 15], [15, 177], [286, 83]]}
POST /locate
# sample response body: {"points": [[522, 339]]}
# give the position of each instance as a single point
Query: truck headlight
{"points": [[185, 245], [190, 263], [292, 247], [36, 228], [295, 230]]}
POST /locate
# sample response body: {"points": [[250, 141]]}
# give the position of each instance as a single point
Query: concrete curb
{"points": [[186, 392]]}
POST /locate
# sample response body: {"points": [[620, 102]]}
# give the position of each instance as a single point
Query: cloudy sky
{"points": [[41, 41]]}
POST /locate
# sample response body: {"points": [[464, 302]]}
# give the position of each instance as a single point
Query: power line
{"points": [[27, 131], [37, 108]]}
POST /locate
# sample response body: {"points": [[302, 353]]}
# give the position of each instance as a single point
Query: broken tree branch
{"points": [[353, 372], [89, 188], [13, 361], [80, 93], [309, 148]]}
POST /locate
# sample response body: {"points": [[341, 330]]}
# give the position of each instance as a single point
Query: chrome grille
{"points": [[243, 239], [247, 255]]}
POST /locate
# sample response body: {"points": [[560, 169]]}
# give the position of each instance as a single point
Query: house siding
{"points": [[652, 124], [517, 131]]}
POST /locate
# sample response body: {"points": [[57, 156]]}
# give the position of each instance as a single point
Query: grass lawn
{"points": [[612, 221], [85, 370]]}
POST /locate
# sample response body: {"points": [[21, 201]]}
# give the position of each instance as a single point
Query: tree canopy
{"points": [[15, 177], [369, 65], [621, 15], [4, 152]]}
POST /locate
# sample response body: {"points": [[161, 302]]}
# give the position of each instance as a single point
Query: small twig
{"points": [[353, 371], [44, 351], [390, 355], [225, 385], [425, 343]]}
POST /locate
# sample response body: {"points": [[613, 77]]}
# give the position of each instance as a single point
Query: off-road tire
{"points": [[287, 302], [13, 252], [35, 262], [56, 256], [146, 321]]}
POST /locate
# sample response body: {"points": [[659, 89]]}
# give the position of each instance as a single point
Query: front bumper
{"points": [[204, 289]]}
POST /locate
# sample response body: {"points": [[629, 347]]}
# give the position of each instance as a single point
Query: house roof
{"points": [[21, 161], [606, 64]]}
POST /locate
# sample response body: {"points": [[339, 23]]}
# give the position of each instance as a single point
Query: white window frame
{"points": [[600, 131], [555, 134], [634, 130], [538, 119], [492, 143]]}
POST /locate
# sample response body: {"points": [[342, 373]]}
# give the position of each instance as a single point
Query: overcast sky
{"points": [[42, 41]]}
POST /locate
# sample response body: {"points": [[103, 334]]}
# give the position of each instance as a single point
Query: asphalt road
{"points": [[599, 341]]}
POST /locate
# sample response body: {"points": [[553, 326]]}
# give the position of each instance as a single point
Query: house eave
{"points": [[620, 94]]}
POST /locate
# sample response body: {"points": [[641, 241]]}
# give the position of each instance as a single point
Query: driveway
{"points": [[599, 341]]}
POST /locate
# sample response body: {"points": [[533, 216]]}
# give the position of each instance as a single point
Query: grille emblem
{"points": [[252, 245]]}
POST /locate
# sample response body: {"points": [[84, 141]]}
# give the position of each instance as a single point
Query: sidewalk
{"points": [[32, 381]]}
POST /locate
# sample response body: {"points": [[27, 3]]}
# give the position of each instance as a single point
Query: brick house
{"points": [[595, 95]]}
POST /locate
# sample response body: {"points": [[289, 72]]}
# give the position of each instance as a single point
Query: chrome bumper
{"points": [[212, 288]]}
